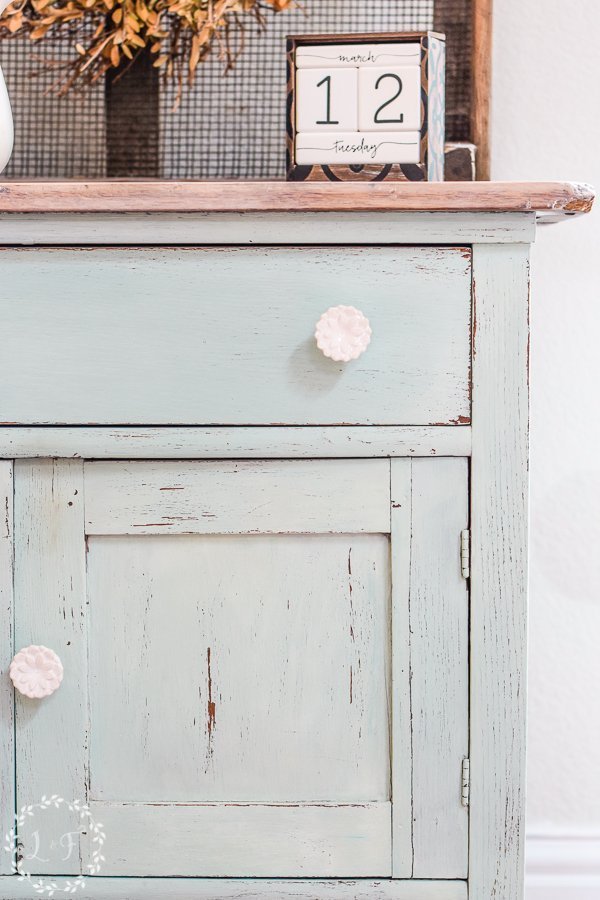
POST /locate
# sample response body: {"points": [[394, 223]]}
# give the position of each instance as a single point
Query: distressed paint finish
{"points": [[499, 571], [7, 749], [294, 228], [254, 840], [439, 665], [276, 651], [402, 721], [245, 443], [237, 497], [51, 734], [430, 674], [248, 889], [498, 510], [251, 357]]}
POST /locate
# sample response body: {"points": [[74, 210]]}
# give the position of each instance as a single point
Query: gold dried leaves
{"points": [[108, 33]]}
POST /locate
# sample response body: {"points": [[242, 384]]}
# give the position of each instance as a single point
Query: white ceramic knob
{"points": [[343, 333], [36, 671]]}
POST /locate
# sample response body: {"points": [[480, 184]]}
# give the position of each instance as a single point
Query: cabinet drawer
{"points": [[226, 336]]}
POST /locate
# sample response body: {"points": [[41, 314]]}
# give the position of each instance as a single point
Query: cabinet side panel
{"points": [[439, 666], [499, 570], [51, 734], [7, 758]]}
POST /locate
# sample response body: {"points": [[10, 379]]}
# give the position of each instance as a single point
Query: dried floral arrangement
{"points": [[108, 34]]}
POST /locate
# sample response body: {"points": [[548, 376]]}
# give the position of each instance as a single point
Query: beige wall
{"points": [[546, 125]]}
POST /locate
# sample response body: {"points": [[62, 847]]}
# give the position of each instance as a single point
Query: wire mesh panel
{"points": [[227, 125], [55, 137]]}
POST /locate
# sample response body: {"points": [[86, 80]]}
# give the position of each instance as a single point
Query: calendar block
{"points": [[358, 148], [366, 107], [329, 56], [389, 99], [327, 100]]}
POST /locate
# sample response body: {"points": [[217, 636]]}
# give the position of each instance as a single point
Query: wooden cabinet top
{"points": [[546, 199]]}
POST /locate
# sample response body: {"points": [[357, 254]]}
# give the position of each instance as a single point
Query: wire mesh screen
{"points": [[55, 137], [227, 125]]}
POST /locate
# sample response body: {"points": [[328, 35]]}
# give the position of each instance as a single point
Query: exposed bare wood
{"points": [[275, 196], [481, 85]]}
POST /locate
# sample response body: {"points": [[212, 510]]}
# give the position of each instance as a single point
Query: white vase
{"points": [[6, 119]]}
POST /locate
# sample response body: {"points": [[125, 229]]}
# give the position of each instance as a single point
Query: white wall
{"points": [[546, 125]]}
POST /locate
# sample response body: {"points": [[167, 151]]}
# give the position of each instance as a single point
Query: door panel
{"points": [[250, 678], [264, 660]]}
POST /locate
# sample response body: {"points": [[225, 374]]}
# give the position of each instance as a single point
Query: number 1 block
{"points": [[327, 99]]}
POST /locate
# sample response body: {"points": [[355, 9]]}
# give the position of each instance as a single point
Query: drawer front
{"points": [[226, 336]]}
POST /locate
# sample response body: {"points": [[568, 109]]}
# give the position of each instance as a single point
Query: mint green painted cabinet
{"points": [[288, 593]]}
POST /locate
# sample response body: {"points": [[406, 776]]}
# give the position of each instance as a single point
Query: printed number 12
{"points": [[328, 120]]}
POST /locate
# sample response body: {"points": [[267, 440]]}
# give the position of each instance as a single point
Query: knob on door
{"points": [[36, 671], [343, 333]]}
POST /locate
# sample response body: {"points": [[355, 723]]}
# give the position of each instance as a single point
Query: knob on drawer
{"points": [[36, 671], [343, 333]]}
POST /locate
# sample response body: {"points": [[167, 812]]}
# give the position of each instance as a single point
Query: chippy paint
{"points": [[226, 336], [49, 555]]}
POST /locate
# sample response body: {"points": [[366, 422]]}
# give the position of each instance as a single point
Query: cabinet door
{"points": [[265, 666]]}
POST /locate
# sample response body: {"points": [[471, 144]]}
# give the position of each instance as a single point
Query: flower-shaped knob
{"points": [[343, 333], [36, 671]]}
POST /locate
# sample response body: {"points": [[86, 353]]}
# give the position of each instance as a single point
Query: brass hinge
{"points": [[465, 553], [465, 788]]}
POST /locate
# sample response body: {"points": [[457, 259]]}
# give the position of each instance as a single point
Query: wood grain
{"points": [[499, 571], [481, 85], [248, 889], [7, 751], [275, 196]]}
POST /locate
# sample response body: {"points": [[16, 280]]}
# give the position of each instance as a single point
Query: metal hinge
{"points": [[465, 788], [465, 553]]}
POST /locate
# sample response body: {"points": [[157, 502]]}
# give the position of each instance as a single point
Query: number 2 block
{"points": [[389, 99], [327, 99]]}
